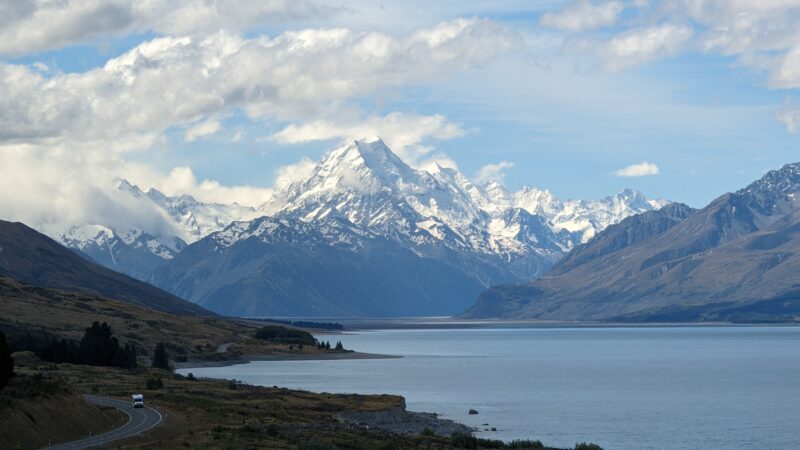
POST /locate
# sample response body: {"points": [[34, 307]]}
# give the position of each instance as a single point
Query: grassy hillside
{"points": [[220, 414], [67, 314], [36, 410]]}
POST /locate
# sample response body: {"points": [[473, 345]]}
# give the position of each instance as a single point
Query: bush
{"points": [[525, 443], [315, 444], [154, 383], [587, 446], [6, 362], [468, 441], [283, 335]]}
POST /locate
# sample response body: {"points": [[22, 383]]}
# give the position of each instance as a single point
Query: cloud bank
{"points": [[64, 137]]}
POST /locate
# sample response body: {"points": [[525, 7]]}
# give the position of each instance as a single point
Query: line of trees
{"points": [[97, 347], [326, 345]]}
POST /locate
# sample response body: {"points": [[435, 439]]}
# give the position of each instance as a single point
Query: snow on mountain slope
{"points": [[133, 252], [137, 249], [196, 219], [87, 236], [363, 192], [367, 184]]}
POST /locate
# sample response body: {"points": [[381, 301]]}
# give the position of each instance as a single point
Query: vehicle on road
{"points": [[137, 400]]}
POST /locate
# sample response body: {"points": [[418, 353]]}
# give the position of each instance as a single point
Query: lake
{"points": [[623, 388]]}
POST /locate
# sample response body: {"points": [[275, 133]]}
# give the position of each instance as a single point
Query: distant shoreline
{"points": [[282, 357], [436, 323]]}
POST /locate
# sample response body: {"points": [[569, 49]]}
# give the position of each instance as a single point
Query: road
{"points": [[139, 420]]}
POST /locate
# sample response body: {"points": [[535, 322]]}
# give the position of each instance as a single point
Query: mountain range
{"points": [[737, 259], [363, 234]]}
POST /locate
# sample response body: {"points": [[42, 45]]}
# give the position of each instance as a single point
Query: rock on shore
{"points": [[399, 420]]}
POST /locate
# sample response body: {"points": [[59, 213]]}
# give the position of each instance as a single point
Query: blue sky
{"points": [[565, 94]]}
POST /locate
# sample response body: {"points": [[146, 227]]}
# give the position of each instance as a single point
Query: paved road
{"points": [[139, 420]]}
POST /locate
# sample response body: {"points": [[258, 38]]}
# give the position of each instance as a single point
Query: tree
{"points": [[339, 346], [6, 362], [130, 350], [160, 357], [99, 347]]}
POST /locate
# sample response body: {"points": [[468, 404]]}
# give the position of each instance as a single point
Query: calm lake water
{"points": [[623, 388]]}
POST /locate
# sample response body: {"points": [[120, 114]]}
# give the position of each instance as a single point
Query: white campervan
{"points": [[137, 400]]}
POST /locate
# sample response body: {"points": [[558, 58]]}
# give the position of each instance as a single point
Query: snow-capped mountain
{"points": [[370, 216], [360, 202], [133, 252], [585, 218], [735, 260], [367, 184], [172, 221]]}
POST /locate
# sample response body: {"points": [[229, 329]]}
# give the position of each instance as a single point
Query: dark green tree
{"points": [[131, 352], [339, 346], [99, 347], [6, 362], [160, 357]]}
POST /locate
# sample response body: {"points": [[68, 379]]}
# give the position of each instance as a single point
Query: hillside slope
{"points": [[33, 258], [732, 260]]}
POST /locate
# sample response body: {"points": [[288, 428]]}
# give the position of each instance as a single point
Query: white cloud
{"points": [[167, 82], [762, 35], [439, 159], [181, 180], [401, 132], [642, 169], [641, 45], [287, 175], [789, 115], [205, 128], [35, 25], [493, 172], [583, 15], [64, 136]]}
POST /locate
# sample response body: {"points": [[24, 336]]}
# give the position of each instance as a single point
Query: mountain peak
{"points": [[782, 181], [125, 186], [362, 166]]}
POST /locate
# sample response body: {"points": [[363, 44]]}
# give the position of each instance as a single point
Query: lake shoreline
{"points": [[356, 324], [197, 364]]}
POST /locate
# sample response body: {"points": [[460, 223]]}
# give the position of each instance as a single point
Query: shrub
{"points": [[154, 383], [525, 443], [315, 444], [587, 446], [6, 362]]}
